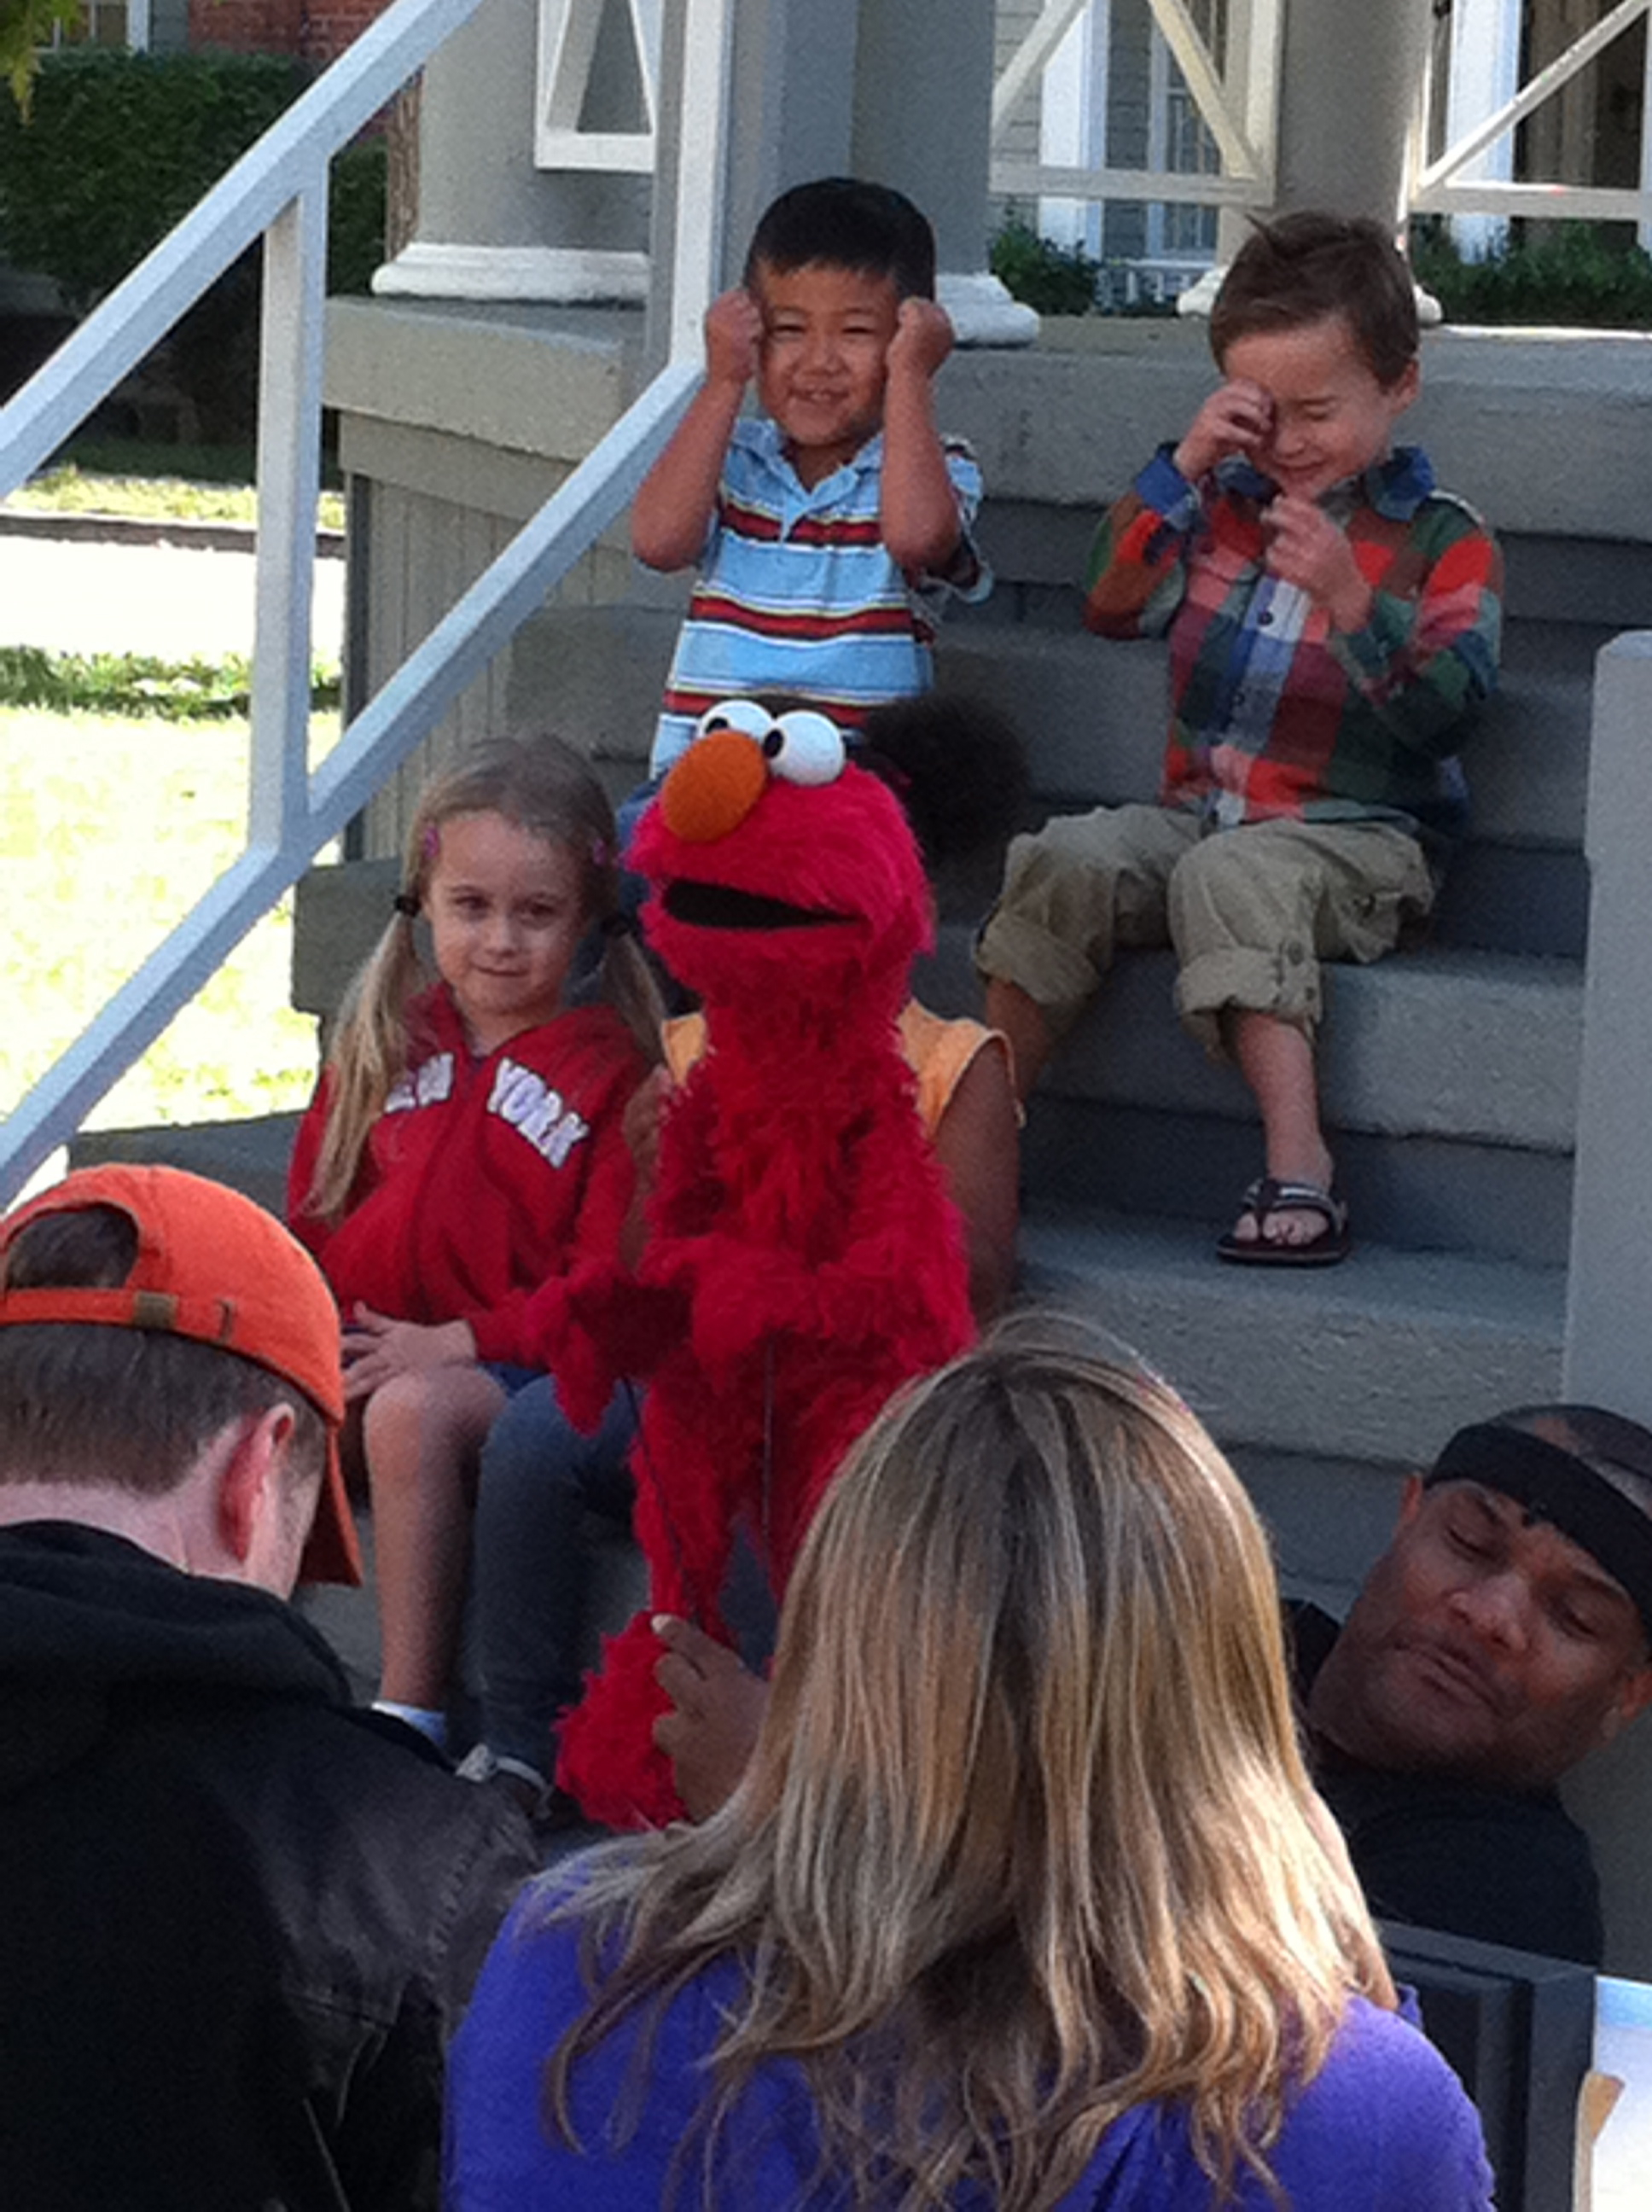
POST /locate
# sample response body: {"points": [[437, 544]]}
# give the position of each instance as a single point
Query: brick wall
{"points": [[316, 30], [331, 26]]}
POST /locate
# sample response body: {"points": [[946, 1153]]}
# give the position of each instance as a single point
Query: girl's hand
{"points": [[1306, 548], [1236, 418], [376, 1349]]}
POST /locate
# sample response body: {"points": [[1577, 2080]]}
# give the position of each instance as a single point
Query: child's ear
{"points": [[1406, 385]]}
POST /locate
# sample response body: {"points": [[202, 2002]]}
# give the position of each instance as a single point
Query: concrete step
{"points": [[1474, 1047], [1375, 1361], [1448, 1086], [1035, 547], [1093, 711], [1328, 1519], [251, 1156], [595, 675], [1416, 1194]]}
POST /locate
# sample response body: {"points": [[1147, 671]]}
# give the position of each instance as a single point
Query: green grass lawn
{"points": [[111, 827], [72, 489]]}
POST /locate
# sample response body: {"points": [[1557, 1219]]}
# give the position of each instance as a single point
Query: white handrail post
{"points": [[702, 170], [288, 472], [1533, 94], [1251, 73], [1187, 43], [1032, 57]]}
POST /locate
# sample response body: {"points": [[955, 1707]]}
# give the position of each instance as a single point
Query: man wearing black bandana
{"points": [[1504, 1633]]}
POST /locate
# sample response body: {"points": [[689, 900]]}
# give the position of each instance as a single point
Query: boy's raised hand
{"points": [[922, 340], [1236, 418], [1308, 550], [734, 331]]}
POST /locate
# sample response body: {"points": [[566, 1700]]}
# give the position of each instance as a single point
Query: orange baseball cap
{"points": [[213, 1267]]}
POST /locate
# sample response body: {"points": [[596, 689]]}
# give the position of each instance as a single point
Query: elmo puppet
{"points": [[803, 1256]]}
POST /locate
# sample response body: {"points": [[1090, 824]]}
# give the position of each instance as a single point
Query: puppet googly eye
{"points": [[804, 747], [742, 715]]}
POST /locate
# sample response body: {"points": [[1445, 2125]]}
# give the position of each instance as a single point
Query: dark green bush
{"points": [[1053, 279], [1575, 277], [356, 217], [118, 147]]}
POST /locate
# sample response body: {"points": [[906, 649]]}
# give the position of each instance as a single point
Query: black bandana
{"points": [[1556, 1486]]}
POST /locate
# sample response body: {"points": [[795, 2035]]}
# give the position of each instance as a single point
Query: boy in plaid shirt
{"points": [[1333, 620]]}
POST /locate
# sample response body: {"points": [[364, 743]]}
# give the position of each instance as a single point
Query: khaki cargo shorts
{"points": [[1251, 910]]}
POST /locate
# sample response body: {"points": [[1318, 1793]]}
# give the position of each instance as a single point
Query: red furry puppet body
{"points": [[803, 1256]]}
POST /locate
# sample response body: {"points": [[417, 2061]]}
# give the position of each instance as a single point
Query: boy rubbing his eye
{"points": [[1333, 620]]}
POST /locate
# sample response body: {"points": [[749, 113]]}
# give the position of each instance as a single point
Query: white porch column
{"points": [[791, 119], [1351, 82], [923, 99], [1609, 1292], [491, 226], [1608, 1351], [1484, 76]]}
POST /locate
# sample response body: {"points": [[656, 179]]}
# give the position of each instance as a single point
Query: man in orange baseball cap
{"points": [[238, 1918]]}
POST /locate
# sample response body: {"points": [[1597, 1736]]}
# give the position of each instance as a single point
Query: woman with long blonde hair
{"points": [[1025, 1898]]}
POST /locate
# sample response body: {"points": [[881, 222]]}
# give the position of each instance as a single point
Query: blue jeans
{"points": [[539, 1479]]}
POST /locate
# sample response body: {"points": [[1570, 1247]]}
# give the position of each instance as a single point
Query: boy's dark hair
{"points": [[958, 768], [848, 224], [120, 1408], [1301, 268]]}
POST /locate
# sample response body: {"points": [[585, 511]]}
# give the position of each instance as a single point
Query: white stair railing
{"points": [[278, 190], [1239, 103], [1441, 188]]}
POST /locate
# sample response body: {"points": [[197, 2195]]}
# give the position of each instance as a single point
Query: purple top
{"points": [[1384, 2127]]}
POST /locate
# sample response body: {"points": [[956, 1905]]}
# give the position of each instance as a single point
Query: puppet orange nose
{"points": [[714, 787]]}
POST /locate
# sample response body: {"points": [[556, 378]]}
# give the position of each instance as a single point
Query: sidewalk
{"points": [[68, 595]]}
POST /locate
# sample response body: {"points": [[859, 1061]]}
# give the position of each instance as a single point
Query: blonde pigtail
{"points": [[626, 982], [369, 1052]]}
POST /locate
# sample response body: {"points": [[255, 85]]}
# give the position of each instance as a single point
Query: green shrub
{"points": [[1053, 279], [1577, 277], [136, 684], [118, 147], [356, 216]]}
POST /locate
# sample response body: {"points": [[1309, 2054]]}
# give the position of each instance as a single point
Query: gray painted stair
{"points": [[1376, 1361]]}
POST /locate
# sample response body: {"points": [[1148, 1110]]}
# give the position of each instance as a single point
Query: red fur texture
{"points": [[804, 1258]]}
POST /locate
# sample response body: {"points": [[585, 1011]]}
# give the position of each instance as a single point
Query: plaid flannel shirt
{"points": [[1273, 712]]}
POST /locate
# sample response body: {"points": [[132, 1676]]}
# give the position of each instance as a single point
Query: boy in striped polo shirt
{"points": [[828, 528], [1333, 623]]}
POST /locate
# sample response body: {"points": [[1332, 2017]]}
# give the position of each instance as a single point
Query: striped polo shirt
{"points": [[1272, 711], [797, 591]]}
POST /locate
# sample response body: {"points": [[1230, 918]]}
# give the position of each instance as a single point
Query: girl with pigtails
{"points": [[464, 1148]]}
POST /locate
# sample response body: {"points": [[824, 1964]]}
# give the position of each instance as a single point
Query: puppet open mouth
{"points": [[719, 906]]}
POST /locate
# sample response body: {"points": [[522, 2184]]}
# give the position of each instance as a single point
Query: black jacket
{"points": [[238, 1918]]}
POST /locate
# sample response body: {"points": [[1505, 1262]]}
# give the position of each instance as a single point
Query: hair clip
{"points": [[430, 844], [602, 852], [618, 924], [405, 903]]}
